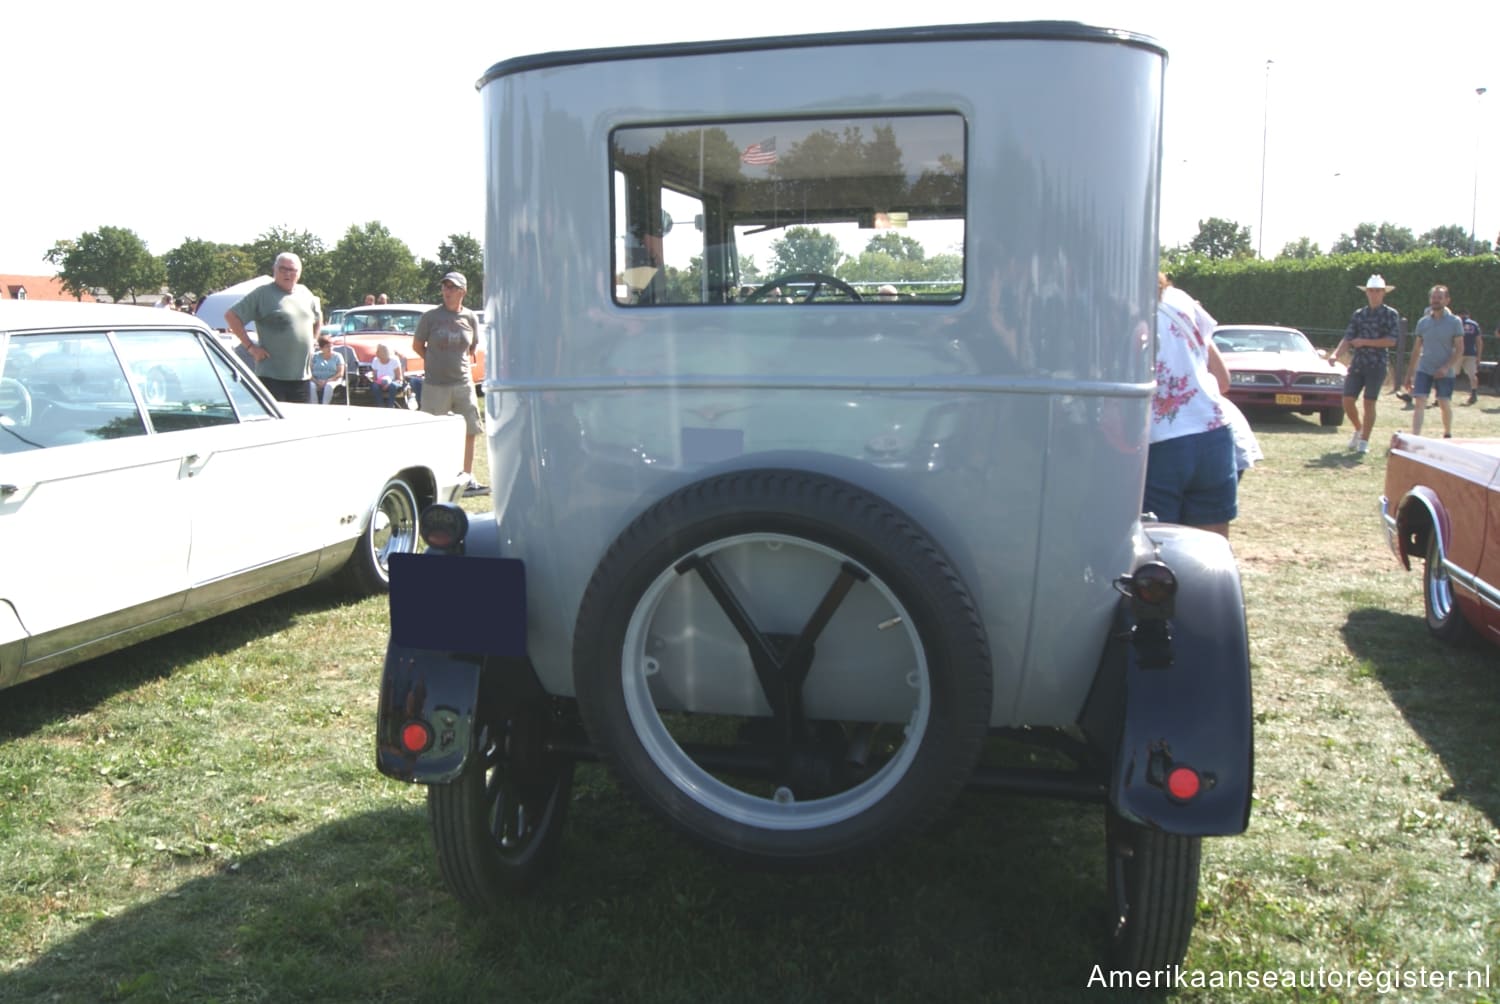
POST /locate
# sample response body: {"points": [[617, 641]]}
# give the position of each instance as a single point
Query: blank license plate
{"points": [[1288, 398]]}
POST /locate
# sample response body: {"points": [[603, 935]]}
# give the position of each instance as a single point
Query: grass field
{"points": [[199, 819]]}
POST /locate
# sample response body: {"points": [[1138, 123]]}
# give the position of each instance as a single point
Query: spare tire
{"points": [[783, 665]]}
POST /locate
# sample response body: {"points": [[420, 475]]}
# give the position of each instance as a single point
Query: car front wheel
{"points": [[391, 529], [1331, 418]]}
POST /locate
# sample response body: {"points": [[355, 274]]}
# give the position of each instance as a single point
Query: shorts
{"points": [[1470, 365], [452, 398], [1368, 380], [1192, 480], [1424, 382]]}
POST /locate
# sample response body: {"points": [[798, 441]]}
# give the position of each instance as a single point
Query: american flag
{"points": [[761, 153]]}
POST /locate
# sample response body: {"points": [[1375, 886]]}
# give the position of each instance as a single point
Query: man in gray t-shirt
{"points": [[447, 339], [287, 318], [1438, 350]]}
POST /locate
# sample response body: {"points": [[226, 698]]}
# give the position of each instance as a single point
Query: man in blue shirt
{"points": [[1438, 349]]}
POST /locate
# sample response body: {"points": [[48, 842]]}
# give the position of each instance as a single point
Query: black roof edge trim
{"points": [[1037, 30]]}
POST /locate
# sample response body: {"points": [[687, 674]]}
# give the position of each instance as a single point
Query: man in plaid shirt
{"points": [[1372, 330]]}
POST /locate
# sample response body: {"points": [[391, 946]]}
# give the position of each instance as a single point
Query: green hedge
{"points": [[1320, 293]]}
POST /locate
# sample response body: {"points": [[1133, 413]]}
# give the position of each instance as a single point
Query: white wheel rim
{"points": [[778, 811]]}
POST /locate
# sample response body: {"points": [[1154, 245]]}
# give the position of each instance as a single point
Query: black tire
{"points": [[1153, 891], [1444, 619], [392, 528], [498, 827], [728, 774], [1331, 418]]}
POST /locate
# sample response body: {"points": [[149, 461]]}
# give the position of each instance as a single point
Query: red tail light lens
{"points": [[415, 737], [1183, 783]]}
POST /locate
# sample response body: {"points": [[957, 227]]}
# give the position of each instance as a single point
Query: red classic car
{"points": [[1274, 367], [363, 329], [1442, 504]]}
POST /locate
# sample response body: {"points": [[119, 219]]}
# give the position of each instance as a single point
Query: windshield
{"points": [[1254, 340]]}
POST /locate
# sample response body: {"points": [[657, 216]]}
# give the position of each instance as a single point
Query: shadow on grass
{"points": [[29, 706], [1449, 694], [1005, 902], [1341, 460]]}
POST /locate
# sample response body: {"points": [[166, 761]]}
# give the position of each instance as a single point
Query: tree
{"points": [[898, 246], [873, 268], [1219, 238], [197, 267], [1300, 249], [1387, 238], [1453, 239], [805, 249], [369, 260], [112, 259], [264, 249], [459, 253]]}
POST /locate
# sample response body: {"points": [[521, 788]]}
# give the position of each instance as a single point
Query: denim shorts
{"points": [[1424, 382], [1370, 381], [1191, 479]]}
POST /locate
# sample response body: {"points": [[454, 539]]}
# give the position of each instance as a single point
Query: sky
{"points": [[177, 120]]}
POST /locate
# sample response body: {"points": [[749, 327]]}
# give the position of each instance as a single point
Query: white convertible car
{"points": [[147, 481]]}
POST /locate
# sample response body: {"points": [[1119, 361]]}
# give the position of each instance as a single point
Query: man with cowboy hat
{"points": [[1372, 329]]}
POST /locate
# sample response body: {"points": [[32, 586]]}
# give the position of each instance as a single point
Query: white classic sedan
{"points": [[148, 481]]}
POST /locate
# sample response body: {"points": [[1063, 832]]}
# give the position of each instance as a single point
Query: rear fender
{"points": [[439, 690], [457, 654], [1189, 706]]}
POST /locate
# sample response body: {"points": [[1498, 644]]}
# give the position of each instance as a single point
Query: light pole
{"points": [[1265, 122], [1474, 210]]}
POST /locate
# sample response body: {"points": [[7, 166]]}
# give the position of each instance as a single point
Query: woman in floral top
{"points": [[1190, 471]]}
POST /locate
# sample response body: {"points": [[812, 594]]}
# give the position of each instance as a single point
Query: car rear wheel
{"points": [[391, 529], [1444, 619], [498, 827], [783, 666], [1153, 889], [1331, 418]]}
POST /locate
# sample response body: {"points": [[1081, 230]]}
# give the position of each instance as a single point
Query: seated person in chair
{"points": [[387, 377], [327, 372]]}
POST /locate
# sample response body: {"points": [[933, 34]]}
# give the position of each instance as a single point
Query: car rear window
{"points": [[833, 210]]}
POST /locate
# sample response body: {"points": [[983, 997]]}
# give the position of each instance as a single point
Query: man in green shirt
{"points": [[287, 319]]}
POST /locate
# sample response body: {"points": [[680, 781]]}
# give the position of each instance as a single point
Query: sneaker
{"points": [[1363, 447], [1354, 440], [1473, 398], [473, 487], [1403, 395]]}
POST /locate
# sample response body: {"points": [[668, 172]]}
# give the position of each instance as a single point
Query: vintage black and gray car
{"points": [[791, 532]]}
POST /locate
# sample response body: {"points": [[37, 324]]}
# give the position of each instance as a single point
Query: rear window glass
{"points": [[867, 209]]}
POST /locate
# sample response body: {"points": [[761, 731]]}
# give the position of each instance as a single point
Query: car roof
{"points": [[376, 307], [23, 315], [1254, 327]]}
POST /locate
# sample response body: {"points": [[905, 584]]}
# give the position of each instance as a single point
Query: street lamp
{"points": [[1265, 122], [1474, 210]]}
